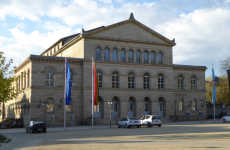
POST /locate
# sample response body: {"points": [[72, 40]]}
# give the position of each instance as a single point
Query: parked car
{"points": [[36, 126], [226, 118], [127, 122], [211, 116], [17, 124], [151, 120], [222, 114]]}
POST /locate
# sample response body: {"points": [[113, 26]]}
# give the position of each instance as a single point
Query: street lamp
{"points": [[190, 103], [175, 106], [60, 103], [110, 102], [39, 102]]}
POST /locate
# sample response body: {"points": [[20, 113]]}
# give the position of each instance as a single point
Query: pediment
{"points": [[130, 30]]}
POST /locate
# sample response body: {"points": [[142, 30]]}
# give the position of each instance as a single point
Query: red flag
{"points": [[96, 91]]}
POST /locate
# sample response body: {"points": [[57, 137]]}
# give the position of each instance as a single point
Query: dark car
{"points": [[222, 114], [211, 116], [36, 126], [17, 124]]}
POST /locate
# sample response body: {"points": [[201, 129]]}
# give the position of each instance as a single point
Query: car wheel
{"points": [[126, 126], [149, 124], [224, 120], [31, 131], [118, 125], [26, 130], [159, 125], [44, 130]]}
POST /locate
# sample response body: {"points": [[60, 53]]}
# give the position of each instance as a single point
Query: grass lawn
{"points": [[2, 138]]}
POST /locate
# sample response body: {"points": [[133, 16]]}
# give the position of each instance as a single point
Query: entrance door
{"points": [[98, 110], [131, 109], [114, 109], [146, 108], [160, 109]]}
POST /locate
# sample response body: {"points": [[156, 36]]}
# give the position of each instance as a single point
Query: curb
{"points": [[6, 141]]}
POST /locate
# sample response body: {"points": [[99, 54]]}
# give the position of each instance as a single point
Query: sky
{"points": [[201, 28]]}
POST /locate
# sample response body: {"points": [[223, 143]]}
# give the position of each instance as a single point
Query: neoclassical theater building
{"points": [[135, 70]]}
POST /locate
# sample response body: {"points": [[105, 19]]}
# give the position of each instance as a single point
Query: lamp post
{"points": [[202, 114], [110, 103], [175, 106]]}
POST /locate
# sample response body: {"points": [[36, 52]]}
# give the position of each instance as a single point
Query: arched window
{"points": [[115, 80], [138, 56], [115, 57], [98, 53], [131, 80], [123, 55], [153, 58], [181, 105], [130, 56], [68, 108], [193, 83], [106, 54], [146, 81], [146, 57], [161, 81], [71, 71], [50, 77], [160, 58], [194, 105], [49, 105], [99, 78], [180, 82]]}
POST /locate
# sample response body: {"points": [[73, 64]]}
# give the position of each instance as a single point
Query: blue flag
{"points": [[68, 84], [214, 87]]}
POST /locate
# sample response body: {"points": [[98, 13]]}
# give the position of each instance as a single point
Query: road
{"points": [[173, 136]]}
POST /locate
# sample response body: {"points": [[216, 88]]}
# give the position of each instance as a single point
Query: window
{"points": [[98, 53], [50, 52], [115, 80], [28, 81], [161, 81], [68, 108], [130, 57], [114, 54], [106, 54], [138, 56], [146, 81], [194, 105], [180, 82], [50, 78], [71, 71], [146, 57], [181, 105], [193, 83], [153, 55], [131, 80], [99, 78], [21, 80], [49, 105], [160, 58], [123, 55], [24, 79]]}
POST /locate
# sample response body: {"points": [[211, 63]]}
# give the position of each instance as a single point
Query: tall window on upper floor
{"points": [[160, 58], [114, 54], [130, 56], [98, 53], [138, 56], [193, 83], [161, 81], [123, 55], [131, 80], [115, 80], [181, 105], [28, 75], [24, 79], [99, 78], [153, 58], [50, 77], [180, 82], [146, 81], [146, 57], [106, 54]]}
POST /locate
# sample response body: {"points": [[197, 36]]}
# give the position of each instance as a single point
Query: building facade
{"points": [[135, 70]]}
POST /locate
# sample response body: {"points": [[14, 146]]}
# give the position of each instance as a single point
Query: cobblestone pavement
{"points": [[180, 135]]}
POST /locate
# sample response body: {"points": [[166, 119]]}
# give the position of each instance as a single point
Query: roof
{"points": [[178, 65]]}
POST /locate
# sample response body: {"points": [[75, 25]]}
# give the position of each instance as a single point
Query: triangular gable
{"points": [[130, 30]]}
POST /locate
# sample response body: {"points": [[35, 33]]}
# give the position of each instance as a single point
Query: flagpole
{"points": [[213, 98], [92, 93], [65, 97]]}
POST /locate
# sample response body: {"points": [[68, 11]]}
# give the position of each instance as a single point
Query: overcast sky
{"points": [[201, 27]]}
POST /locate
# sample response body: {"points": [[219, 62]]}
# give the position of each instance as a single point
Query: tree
{"points": [[7, 80], [224, 65]]}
